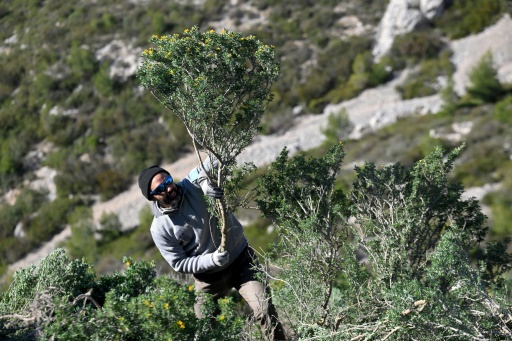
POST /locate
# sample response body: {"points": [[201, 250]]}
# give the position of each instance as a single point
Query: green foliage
{"points": [[52, 272], [486, 166], [102, 82], [82, 243], [116, 122], [110, 227], [82, 62], [427, 49], [110, 183], [416, 207], [61, 71], [13, 149], [136, 242], [463, 18], [503, 110], [62, 300], [450, 98], [49, 219], [408, 263], [298, 195], [11, 215], [500, 204], [329, 80], [485, 86], [413, 278], [411, 48], [366, 74], [218, 84], [425, 80], [111, 118], [338, 127], [260, 235]]}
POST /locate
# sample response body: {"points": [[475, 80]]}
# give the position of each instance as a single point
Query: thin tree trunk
{"points": [[221, 204], [223, 223]]}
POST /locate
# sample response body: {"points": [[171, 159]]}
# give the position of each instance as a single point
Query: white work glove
{"points": [[213, 192], [220, 258]]}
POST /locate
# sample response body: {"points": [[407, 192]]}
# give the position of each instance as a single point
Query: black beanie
{"points": [[145, 178]]}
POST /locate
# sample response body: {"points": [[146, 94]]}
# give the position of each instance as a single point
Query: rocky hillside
{"points": [[296, 121]]}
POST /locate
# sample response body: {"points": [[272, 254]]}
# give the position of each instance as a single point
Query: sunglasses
{"points": [[163, 186]]}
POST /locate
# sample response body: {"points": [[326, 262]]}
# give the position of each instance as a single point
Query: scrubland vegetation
{"points": [[54, 91]]}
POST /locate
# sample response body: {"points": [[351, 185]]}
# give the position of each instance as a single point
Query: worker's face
{"points": [[170, 196]]}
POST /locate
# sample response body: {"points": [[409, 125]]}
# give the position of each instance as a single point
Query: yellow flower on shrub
{"points": [[190, 288], [181, 324]]}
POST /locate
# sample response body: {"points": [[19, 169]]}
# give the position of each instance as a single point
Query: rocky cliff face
{"points": [[404, 16]]}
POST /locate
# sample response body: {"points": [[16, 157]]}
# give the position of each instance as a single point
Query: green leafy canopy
{"points": [[218, 84]]}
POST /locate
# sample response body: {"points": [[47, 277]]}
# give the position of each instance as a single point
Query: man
{"points": [[188, 238]]}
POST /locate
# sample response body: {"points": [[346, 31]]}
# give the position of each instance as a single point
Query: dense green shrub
{"points": [[103, 84], [76, 177], [463, 18], [111, 183], [63, 300], [82, 62], [12, 248], [410, 48], [338, 127], [500, 203], [298, 196], [485, 86], [82, 243], [413, 234], [503, 110], [110, 227], [50, 219], [11, 72]]}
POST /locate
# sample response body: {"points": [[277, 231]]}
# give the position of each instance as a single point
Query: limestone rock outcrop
{"points": [[404, 16]]}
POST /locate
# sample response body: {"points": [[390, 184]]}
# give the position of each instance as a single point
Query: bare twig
{"points": [[390, 333], [87, 296], [24, 318]]}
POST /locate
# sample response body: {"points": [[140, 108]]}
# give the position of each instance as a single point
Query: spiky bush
{"points": [[413, 234]]}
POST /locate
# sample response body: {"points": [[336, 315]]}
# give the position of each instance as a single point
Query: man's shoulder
{"points": [[187, 185]]}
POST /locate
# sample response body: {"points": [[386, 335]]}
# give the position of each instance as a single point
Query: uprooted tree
{"points": [[218, 84]]}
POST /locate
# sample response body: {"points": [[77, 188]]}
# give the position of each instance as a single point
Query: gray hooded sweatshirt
{"points": [[187, 238]]}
